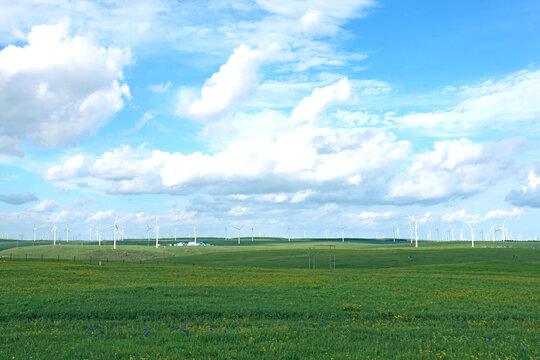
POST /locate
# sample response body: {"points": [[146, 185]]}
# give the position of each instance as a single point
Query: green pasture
{"points": [[260, 300]]}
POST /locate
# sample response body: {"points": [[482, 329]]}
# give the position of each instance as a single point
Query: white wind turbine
{"points": [[471, 225], [195, 234], [342, 234], [289, 232], [252, 234], [54, 234], [156, 229], [115, 229], [415, 228], [148, 231], [67, 233], [238, 228]]}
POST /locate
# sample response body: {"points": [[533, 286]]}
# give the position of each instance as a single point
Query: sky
{"points": [[320, 117]]}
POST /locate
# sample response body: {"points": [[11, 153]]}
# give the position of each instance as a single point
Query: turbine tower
{"points": [[238, 228], [342, 234], [67, 233], [54, 234], [195, 232], [252, 234], [289, 232], [415, 228], [471, 225], [156, 229]]}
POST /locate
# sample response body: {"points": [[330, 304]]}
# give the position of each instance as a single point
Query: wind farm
{"points": [[269, 179]]}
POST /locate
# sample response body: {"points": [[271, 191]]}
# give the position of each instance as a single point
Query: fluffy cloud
{"points": [[321, 98], [461, 216], [233, 83], [45, 206], [529, 194], [455, 168], [17, 199], [370, 217], [58, 88], [515, 98]]}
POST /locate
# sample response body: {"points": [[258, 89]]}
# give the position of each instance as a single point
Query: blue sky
{"points": [[267, 114]]}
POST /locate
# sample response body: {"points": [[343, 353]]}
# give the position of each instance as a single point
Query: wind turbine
{"points": [[115, 228], [289, 232], [175, 234], [238, 228], [471, 225], [342, 234], [67, 233], [195, 232], [415, 228], [54, 234], [156, 229], [148, 231], [252, 234], [34, 232]]}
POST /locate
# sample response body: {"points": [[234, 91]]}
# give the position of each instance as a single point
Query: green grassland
{"points": [[383, 300]]}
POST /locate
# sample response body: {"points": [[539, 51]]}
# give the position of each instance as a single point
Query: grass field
{"points": [[260, 300]]}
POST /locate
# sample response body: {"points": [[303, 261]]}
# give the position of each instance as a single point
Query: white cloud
{"points": [[233, 83], [159, 88], [237, 211], [321, 98], [45, 206], [514, 99], [149, 115], [58, 88], [102, 216], [455, 168], [460, 216], [335, 9], [370, 217], [503, 214], [529, 194]]}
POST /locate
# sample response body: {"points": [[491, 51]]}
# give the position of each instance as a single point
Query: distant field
{"points": [[382, 301]]}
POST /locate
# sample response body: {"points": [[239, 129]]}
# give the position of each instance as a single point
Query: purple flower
{"points": [[211, 329], [177, 328], [89, 329], [101, 327]]}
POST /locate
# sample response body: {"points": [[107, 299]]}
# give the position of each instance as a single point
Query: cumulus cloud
{"points": [[101, 216], [529, 194], [45, 206], [57, 88], [461, 216], [514, 99], [17, 199], [370, 217], [234, 82], [455, 168], [321, 98]]}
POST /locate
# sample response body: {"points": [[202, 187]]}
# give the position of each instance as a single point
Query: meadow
{"points": [[260, 300]]}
